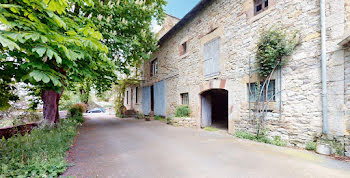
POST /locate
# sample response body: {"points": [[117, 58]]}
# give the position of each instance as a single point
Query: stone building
{"points": [[207, 62]]}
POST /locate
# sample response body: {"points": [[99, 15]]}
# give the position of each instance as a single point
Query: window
{"points": [[270, 95], [260, 5], [127, 97], [154, 67], [183, 48], [184, 99], [137, 94], [211, 58]]}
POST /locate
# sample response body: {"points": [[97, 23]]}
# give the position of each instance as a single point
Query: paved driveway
{"points": [[111, 147]]}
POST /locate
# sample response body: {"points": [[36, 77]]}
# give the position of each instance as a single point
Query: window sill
{"points": [[212, 76], [260, 15], [184, 55], [273, 106]]}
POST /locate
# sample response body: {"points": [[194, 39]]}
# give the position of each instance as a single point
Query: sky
{"points": [[177, 8], [180, 8]]}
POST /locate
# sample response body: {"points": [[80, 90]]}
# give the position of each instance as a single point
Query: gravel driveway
{"points": [[113, 147]]}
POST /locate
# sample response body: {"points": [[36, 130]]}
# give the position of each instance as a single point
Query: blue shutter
{"points": [[211, 58], [159, 98], [146, 100]]}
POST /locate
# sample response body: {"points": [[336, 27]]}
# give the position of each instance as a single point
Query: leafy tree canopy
{"points": [[50, 43]]}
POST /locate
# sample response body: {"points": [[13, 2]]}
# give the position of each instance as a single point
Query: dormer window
{"points": [[260, 6]]}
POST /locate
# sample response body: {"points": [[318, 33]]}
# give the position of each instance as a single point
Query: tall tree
{"points": [[46, 46], [50, 43], [126, 27]]}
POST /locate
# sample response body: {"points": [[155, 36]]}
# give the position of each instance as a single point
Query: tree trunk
{"points": [[51, 100]]}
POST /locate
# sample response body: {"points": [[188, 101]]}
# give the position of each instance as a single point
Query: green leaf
{"points": [[37, 75], [58, 58], [40, 50], [45, 78], [8, 43], [50, 53]]}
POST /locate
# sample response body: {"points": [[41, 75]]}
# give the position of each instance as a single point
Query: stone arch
{"points": [[214, 104]]}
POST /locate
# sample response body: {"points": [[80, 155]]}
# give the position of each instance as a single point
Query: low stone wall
{"points": [[183, 122], [21, 129]]}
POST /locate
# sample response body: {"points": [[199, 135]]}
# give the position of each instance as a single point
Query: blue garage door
{"points": [[146, 100], [159, 98]]}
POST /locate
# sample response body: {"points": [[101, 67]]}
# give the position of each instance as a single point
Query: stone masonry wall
{"points": [[239, 32], [347, 90]]}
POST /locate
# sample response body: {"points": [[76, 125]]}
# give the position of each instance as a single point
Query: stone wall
{"points": [[183, 122], [133, 104], [347, 90], [168, 23], [301, 112]]}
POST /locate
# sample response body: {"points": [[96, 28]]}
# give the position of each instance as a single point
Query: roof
{"points": [[186, 19], [172, 16]]}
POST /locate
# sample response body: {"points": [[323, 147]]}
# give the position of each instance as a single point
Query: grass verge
{"points": [[211, 129], [245, 135], [159, 118], [42, 153]]}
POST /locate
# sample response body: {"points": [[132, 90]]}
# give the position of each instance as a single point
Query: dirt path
{"points": [[111, 147]]}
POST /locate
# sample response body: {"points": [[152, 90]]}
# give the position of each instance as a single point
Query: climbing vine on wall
{"points": [[120, 89], [273, 46]]}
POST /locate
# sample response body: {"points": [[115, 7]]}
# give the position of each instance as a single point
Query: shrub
{"points": [[42, 153], [182, 111], [311, 145], [168, 120], [77, 109]]}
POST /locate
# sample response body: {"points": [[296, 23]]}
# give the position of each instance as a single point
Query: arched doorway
{"points": [[215, 108]]}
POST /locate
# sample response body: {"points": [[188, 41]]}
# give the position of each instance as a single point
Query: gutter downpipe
{"points": [[324, 66]]}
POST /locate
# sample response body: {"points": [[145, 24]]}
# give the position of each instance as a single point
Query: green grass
{"points": [[263, 139], [159, 118], [211, 129], [42, 153], [311, 145]]}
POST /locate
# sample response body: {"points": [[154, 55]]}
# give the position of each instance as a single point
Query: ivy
{"points": [[273, 46]]}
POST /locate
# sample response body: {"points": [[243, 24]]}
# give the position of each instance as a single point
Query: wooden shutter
{"points": [[211, 58], [146, 100], [159, 98], [206, 111]]}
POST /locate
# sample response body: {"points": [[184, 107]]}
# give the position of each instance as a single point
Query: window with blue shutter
{"points": [[211, 58]]}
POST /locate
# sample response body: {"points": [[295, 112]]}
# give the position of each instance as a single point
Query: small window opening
{"points": [[184, 47], [260, 6], [184, 99]]}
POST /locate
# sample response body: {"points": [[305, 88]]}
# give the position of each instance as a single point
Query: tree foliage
{"points": [[126, 27], [51, 43], [272, 47]]}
